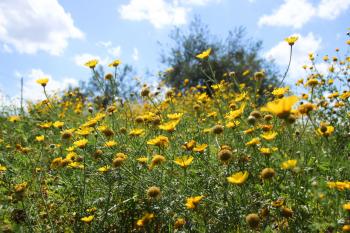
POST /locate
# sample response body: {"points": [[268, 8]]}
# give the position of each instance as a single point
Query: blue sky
{"points": [[55, 37]]}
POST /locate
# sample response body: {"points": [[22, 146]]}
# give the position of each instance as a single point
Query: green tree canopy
{"points": [[236, 53]]}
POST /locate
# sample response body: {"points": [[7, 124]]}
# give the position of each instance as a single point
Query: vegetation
{"points": [[187, 162], [236, 53]]}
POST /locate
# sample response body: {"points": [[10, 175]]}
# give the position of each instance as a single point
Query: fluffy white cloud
{"points": [[81, 59], [331, 9], [301, 49], [111, 50], [160, 13], [135, 54], [33, 91], [293, 13], [36, 25], [296, 13]]}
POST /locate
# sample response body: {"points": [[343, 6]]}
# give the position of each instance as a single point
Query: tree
{"points": [[236, 53], [103, 91]]}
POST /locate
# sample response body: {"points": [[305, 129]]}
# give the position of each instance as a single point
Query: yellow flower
{"points": [[20, 188], [104, 169], [175, 116], [246, 72], [142, 160], [238, 178], [115, 63], [325, 130], [2, 168], [144, 220], [87, 219], [200, 148], [232, 124], [289, 164], [56, 162], [269, 136], [58, 124], [14, 118], [42, 81], [84, 131], [159, 141], [254, 141], [45, 125], [204, 54], [75, 165], [136, 132], [346, 206], [232, 115], [81, 143], [279, 92], [291, 40], [156, 160], [312, 82], [92, 63], [40, 138], [346, 228], [169, 126], [111, 143], [267, 150], [281, 107], [183, 161], [192, 202]]}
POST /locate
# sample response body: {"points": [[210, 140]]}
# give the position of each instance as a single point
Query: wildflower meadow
{"points": [[217, 156]]}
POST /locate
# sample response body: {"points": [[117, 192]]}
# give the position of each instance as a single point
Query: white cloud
{"points": [[114, 51], [33, 91], [81, 59], [296, 13], [36, 25], [331, 9], [135, 54], [6, 48], [305, 45], [293, 13], [158, 12], [195, 2]]}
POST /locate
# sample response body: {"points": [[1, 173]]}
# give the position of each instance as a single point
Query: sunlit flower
{"points": [[192, 202], [184, 161], [200, 148], [136, 132], [159, 141], [58, 124], [92, 63], [346, 206], [142, 160], [145, 220], [254, 141], [40, 138], [291, 40], [157, 160], [104, 169], [87, 219], [325, 130], [2, 168], [111, 144], [115, 63], [14, 118], [269, 136], [204, 54], [169, 126], [281, 107], [238, 178], [81, 143], [43, 81], [289, 164]]}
